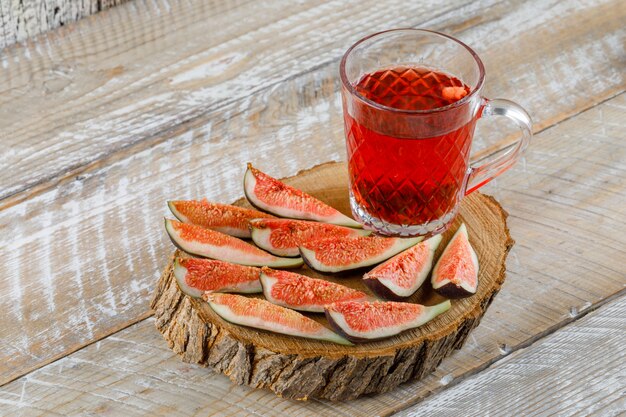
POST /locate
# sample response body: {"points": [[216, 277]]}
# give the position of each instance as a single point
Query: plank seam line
{"points": [[550, 126], [533, 340], [46, 184], [521, 346]]}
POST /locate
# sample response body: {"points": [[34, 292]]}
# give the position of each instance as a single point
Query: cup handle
{"points": [[481, 175]]}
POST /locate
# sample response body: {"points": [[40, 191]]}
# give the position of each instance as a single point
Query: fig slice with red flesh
{"points": [[261, 314], [224, 218], [303, 293], [343, 254], [196, 276], [269, 194], [283, 236], [399, 277], [365, 321], [208, 243], [455, 274]]}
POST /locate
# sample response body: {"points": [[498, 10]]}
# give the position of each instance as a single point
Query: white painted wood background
{"points": [[103, 120], [24, 19], [578, 370]]}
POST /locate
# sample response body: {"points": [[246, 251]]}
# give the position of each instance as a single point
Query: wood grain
{"points": [[24, 19], [71, 99], [556, 271], [81, 259], [79, 99], [579, 370], [134, 373], [302, 368]]}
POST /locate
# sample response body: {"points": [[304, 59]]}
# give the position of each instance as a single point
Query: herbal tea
{"points": [[411, 100], [399, 172]]}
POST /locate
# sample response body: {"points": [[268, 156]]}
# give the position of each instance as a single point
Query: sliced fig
{"points": [[224, 218], [261, 314], [283, 236], [303, 293], [364, 321], [399, 277], [343, 254], [455, 274], [208, 243], [196, 276], [269, 194]]}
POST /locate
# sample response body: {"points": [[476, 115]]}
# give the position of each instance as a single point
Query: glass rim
{"points": [[348, 85]]}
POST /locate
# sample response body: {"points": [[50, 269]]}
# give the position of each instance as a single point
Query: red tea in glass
{"points": [[433, 164], [411, 104]]}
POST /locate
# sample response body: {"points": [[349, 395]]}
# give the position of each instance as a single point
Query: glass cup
{"points": [[409, 169]]}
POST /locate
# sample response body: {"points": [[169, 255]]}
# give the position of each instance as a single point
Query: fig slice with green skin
{"points": [[196, 276], [200, 241], [455, 274], [283, 236], [303, 293], [365, 321], [343, 254], [261, 314], [224, 218], [271, 195], [399, 277]]}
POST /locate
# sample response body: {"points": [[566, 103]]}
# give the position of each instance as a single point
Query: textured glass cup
{"points": [[409, 169]]}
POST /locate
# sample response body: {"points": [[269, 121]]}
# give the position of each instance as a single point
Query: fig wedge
{"points": [[196, 276], [303, 293], [399, 277], [224, 218], [282, 237], [343, 254], [366, 321], [455, 274], [208, 243], [271, 195], [261, 314]]}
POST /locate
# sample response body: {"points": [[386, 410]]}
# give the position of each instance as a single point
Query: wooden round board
{"points": [[300, 368]]}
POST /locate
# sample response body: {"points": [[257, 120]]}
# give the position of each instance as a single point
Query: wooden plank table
{"points": [[20, 20], [104, 120]]}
